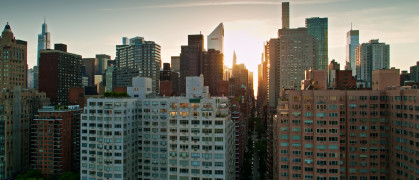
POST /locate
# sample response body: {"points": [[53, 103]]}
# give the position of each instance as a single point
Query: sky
{"points": [[97, 26]]}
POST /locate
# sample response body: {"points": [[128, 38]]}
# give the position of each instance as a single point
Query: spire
{"points": [[351, 26], [7, 27], [234, 58], [45, 20]]}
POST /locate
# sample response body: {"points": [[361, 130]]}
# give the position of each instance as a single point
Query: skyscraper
{"points": [[287, 63], [369, 57], [59, 71], [216, 39], [318, 28], [285, 15], [139, 58], [352, 42], [212, 68], [44, 42], [175, 63], [13, 60], [191, 59], [102, 63], [234, 59]]}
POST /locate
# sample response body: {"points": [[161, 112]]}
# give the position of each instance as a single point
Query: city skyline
{"points": [[246, 29]]}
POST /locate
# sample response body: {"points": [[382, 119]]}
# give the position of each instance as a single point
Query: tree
{"points": [[33, 174], [69, 176]]}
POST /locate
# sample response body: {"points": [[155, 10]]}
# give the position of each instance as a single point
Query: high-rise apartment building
{"points": [[191, 59], [414, 72], [341, 134], [59, 71], [139, 58], [109, 139], [17, 109], [13, 60], [55, 140], [352, 42], [44, 42], [212, 69], [292, 53], [158, 138], [369, 57], [216, 39], [318, 28]]}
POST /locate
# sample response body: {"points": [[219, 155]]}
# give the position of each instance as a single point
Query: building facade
{"points": [[335, 134], [167, 138], [55, 140], [13, 60], [59, 71], [414, 72], [17, 109]]}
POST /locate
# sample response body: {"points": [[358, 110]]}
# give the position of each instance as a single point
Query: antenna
{"points": [[45, 19], [351, 26]]}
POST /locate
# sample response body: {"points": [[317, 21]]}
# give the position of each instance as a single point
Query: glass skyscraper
{"points": [[352, 39], [318, 28]]}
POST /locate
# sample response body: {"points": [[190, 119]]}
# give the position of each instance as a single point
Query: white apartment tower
{"points": [[172, 138], [108, 139]]}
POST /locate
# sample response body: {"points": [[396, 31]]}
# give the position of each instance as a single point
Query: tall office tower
{"points": [[191, 59], [216, 39], [331, 78], [102, 63], [57, 130], [13, 60], [414, 72], [290, 55], [90, 69], [59, 71], [17, 109], [139, 58], [212, 68], [30, 78], [175, 62], [369, 57], [318, 28], [352, 42], [285, 15], [109, 133]]}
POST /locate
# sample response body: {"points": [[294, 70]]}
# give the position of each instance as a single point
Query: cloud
{"points": [[220, 3]]}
